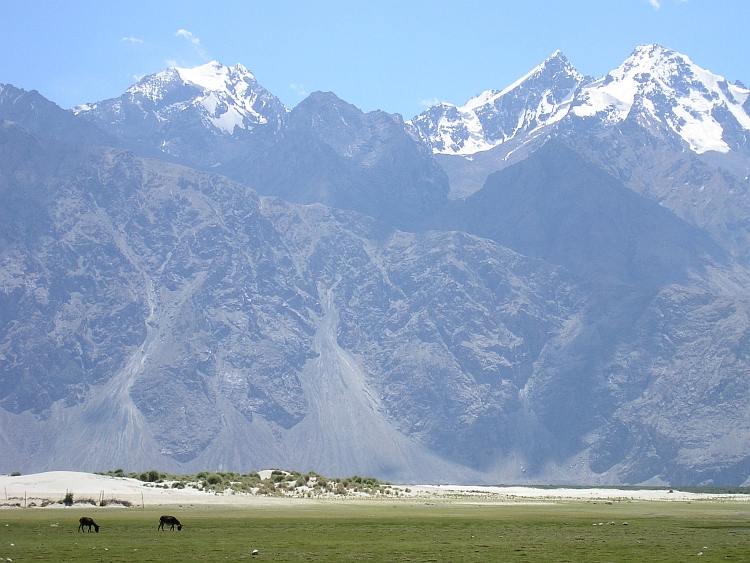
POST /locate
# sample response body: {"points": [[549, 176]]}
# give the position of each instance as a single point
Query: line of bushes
{"points": [[278, 482]]}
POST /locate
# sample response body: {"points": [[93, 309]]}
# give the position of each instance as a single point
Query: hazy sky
{"points": [[394, 55]]}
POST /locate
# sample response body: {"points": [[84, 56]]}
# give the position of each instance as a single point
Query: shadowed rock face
{"points": [[710, 191], [556, 206]]}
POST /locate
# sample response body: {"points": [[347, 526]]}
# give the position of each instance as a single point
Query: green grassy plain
{"points": [[399, 530]]}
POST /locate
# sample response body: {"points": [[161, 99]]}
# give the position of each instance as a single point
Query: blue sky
{"points": [[394, 55]]}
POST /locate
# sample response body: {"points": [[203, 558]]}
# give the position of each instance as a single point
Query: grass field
{"points": [[388, 531]]}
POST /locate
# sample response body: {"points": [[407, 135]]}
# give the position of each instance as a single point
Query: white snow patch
{"points": [[214, 76], [655, 73]]}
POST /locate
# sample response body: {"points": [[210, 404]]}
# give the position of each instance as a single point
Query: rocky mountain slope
{"points": [[551, 326], [155, 315], [160, 315]]}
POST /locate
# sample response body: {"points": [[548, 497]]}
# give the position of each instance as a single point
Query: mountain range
{"points": [[547, 284], [668, 129]]}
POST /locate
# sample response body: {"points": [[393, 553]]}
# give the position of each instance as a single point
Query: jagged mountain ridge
{"points": [[332, 153], [220, 119], [227, 99], [189, 114], [665, 89], [677, 134], [668, 129], [537, 100], [638, 138], [39, 115], [670, 93]]}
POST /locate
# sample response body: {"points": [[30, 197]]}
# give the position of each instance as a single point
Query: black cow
{"points": [[169, 520], [86, 521]]}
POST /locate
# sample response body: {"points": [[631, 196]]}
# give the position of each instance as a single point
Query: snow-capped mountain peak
{"points": [[539, 98], [661, 87], [225, 98], [554, 64]]}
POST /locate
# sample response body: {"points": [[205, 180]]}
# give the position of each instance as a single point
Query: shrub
{"points": [[15, 474], [214, 479], [265, 489], [125, 503], [68, 499]]}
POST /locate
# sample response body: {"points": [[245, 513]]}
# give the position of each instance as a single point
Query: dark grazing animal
{"points": [[85, 521], [169, 520]]}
